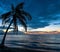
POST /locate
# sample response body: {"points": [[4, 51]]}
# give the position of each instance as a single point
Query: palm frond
{"points": [[12, 6], [21, 16], [7, 20], [27, 15], [20, 6], [23, 23], [15, 22], [6, 15]]}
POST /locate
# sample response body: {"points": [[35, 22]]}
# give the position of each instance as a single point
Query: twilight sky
{"points": [[45, 13]]}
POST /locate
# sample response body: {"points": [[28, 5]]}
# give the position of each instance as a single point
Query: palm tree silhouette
{"points": [[12, 17]]}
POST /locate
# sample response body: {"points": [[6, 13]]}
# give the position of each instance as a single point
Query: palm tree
{"points": [[12, 17]]}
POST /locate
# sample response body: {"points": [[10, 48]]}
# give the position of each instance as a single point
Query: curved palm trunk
{"points": [[3, 41]]}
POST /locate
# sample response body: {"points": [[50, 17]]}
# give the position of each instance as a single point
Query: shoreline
{"points": [[11, 49]]}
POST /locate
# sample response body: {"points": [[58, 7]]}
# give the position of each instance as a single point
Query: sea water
{"points": [[35, 42]]}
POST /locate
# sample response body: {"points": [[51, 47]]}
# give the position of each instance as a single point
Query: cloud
{"points": [[1, 27], [38, 25], [43, 12], [56, 23], [40, 22]]}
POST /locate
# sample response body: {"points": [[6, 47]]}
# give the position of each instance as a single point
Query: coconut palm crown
{"points": [[12, 17]]}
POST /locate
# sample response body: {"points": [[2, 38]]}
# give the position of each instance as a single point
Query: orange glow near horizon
{"points": [[45, 29]]}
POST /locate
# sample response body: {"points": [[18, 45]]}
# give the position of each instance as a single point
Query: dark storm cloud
{"points": [[43, 12], [38, 24]]}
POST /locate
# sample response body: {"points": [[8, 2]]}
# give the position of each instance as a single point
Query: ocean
{"points": [[37, 42]]}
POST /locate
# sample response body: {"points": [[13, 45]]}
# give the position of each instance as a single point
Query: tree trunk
{"points": [[3, 41]]}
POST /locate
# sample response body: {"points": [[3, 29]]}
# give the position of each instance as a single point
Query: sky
{"points": [[45, 13]]}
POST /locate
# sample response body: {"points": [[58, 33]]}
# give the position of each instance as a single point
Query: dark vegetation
{"points": [[16, 16]]}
